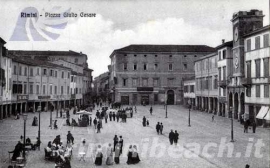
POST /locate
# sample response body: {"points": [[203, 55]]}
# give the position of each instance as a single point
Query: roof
{"points": [[35, 62], [2, 41], [227, 44], [165, 48], [257, 31], [45, 53], [207, 56]]}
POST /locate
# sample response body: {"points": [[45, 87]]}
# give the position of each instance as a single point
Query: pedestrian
{"points": [[135, 109], [144, 121], [147, 123], [135, 155], [98, 127], [151, 110], [247, 166], [254, 125], [121, 142], [113, 116], [115, 141], [97, 114], [82, 150], [70, 138], [171, 137], [109, 160], [95, 123], [117, 153], [245, 127], [213, 117], [90, 121], [117, 117], [99, 156], [106, 117], [110, 116], [100, 122], [161, 128], [158, 128], [129, 155], [175, 139]]}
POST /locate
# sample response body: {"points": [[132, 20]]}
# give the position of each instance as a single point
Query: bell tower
{"points": [[243, 22]]}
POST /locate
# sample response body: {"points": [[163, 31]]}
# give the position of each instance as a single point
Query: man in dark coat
{"points": [[115, 141], [95, 123], [171, 137], [245, 127], [110, 116], [90, 121], [144, 121], [70, 138], [113, 116], [158, 128], [254, 125], [117, 116], [151, 110], [98, 127], [176, 137], [161, 128], [121, 142], [16, 152]]}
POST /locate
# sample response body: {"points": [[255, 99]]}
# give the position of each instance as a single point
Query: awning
{"points": [[267, 116], [262, 112]]}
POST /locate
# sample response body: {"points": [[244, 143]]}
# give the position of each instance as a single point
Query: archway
{"points": [[236, 103], [170, 97]]}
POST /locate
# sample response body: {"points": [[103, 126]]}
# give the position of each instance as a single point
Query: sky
{"points": [[119, 23]]}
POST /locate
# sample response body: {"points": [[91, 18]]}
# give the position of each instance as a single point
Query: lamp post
{"points": [[24, 132], [189, 108], [166, 108], [39, 111], [232, 140]]}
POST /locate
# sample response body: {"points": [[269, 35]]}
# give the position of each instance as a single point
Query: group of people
{"points": [[145, 122], [173, 137], [246, 125], [159, 128]]}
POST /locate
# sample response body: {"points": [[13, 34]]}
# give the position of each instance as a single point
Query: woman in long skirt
{"points": [[135, 155], [130, 151], [99, 156], [117, 153], [109, 160]]}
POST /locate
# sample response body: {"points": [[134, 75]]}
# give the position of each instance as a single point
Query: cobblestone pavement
{"points": [[155, 150]]}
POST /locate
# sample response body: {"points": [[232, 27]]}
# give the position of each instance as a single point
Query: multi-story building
{"points": [[206, 76], [256, 71], [225, 66], [152, 74], [101, 86], [189, 91]]}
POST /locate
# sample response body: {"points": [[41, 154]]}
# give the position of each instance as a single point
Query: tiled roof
{"points": [[35, 62], [44, 53], [227, 44], [167, 48]]}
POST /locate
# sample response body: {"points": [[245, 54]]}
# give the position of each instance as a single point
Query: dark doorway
{"points": [[145, 100], [125, 100], [170, 97], [236, 103]]}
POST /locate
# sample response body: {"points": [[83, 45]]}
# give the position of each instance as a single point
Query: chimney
{"points": [[223, 41]]}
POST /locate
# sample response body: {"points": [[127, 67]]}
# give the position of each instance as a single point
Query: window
{"points": [[62, 90], [266, 67], [31, 72], [266, 40], [31, 89], [145, 67], [195, 55], [14, 70], [135, 55], [155, 82], [266, 90], [216, 82], [170, 67], [68, 75], [258, 68], [224, 92], [63, 74], [134, 82], [25, 88], [224, 54], [156, 66], [224, 73], [145, 55], [210, 82], [51, 72], [76, 60], [248, 63], [25, 71], [145, 82], [76, 90], [170, 56], [44, 89], [258, 90], [135, 67], [185, 56], [55, 74], [155, 55], [192, 88], [248, 92], [20, 70], [124, 82], [37, 89], [155, 97], [185, 66], [37, 71], [68, 89], [249, 45], [55, 90], [44, 71], [257, 42], [125, 55], [51, 89], [125, 66], [206, 83]]}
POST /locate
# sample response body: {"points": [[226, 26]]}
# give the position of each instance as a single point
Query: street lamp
{"points": [[24, 128], [232, 140], [39, 111], [166, 108], [189, 107]]}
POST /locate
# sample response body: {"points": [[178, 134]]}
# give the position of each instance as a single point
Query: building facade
{"points": [[189, 91], [206, 76], [101, 87], [152, 74]]}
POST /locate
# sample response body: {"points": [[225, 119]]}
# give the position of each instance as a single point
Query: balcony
{"points": [[246, 82], [222, 83]]}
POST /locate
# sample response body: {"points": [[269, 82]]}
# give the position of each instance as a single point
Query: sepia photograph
{"points": [[134, 83]]}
